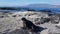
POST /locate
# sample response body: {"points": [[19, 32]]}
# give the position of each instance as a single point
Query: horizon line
{"points": [[25, 5]]}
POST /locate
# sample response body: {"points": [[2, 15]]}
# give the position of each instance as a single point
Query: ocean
{"points": [[52, 10]]}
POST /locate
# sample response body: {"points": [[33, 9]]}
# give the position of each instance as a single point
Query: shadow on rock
{"points": [[38, 29]]}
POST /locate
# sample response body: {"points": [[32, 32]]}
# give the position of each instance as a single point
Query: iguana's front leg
{"points": [[24, 25]]}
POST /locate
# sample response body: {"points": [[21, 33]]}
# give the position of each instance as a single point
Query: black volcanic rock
{"points": [[14, 16], [54, 18], [43, 20], [9, 8], [1, 16]]}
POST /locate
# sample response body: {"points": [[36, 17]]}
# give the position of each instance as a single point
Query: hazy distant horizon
{"points": [[26, 2], [26, 5]]}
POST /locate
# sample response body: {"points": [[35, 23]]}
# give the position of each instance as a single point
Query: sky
{"points": [[26, 2]]}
